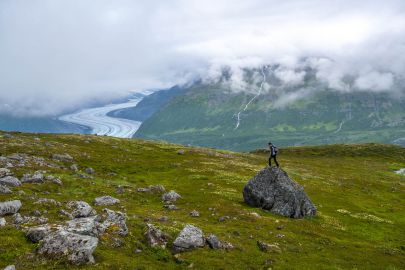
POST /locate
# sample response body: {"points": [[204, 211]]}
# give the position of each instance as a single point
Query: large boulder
{"points": [[273, 190], [10, 181], [9, 207], [76, 248], [189, 238]]}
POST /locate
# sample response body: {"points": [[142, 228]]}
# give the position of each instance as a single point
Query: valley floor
{"points": [[359, 196]]}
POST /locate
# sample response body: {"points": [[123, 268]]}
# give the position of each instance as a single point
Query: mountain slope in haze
{"points": [[207, 115], [149, 105], [359, 225]]}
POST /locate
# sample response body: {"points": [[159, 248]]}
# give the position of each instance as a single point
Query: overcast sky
{"points": [[56, 55]]}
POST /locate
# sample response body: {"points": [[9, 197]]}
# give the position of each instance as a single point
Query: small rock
{"points": [[280, 227], [181, 152], [280, 235], [157, 188], [89, 171], [9, 207], [10, 181], [37, 233], [74, 167], [265, 247], [194, 213], [143, 190], [62, 157], [45, 201], [37, 177], [170, 207], [213, 242], [138, 250], [81, 209], [163, 219], [224, 218], [120, 189], [171, 196], [106, 200], [155, 237], [10, 267], [189, 238], [78, 249], [4, 190], [36, 213], [2, 222]]}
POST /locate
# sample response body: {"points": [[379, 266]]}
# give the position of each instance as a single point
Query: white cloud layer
{"points": [[56, 55]]}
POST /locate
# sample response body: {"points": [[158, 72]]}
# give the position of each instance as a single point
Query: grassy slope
{"points": [[206, 116], [358, 179]]}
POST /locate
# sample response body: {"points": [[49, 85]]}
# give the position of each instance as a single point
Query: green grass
{"points": [[361, 203]]}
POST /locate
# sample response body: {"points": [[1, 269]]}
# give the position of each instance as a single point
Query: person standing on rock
{"points": [[273, 154]]}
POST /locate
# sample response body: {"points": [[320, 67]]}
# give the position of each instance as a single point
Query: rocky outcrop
{"points": [[106, 200], [9, 207], [170, 196], [189, 238], [76, 248], [273, 190], [115, 220]]}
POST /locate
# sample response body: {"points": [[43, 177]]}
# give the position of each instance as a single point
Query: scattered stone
{"points": [[46, 201], [37, 177], [255, 215], [74, 167], [227, 246], [62, 157], [280, 227], [157, 188], [155, 237], [273, 190], [181, 152], [81, 209], [171, 196], [9, 207], [120, 189], [224, 218], [2, 222], [163, 219], [400, 171], [37, 233], [89, 171], [10, 267], [265, 247], [170, 207], [280, 235], [4, 190], [5, 172], [18, 219], [194, 213], [36, 213], [10, 181], [137, 251], [189, 238], [78, 249], [106, 200], [213, 242], [143, 189]]}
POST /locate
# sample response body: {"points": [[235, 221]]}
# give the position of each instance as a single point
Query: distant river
{"points": [[101, 124]]}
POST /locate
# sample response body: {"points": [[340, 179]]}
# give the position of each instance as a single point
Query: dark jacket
{"points": [[273, 150]]}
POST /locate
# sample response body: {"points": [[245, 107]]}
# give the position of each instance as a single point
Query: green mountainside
{"points": [[206, 115], [360, 200]]}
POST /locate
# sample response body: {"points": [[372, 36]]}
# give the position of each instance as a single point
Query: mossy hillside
{"points": [[360, 200]]}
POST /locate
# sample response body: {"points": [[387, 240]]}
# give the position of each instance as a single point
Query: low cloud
{"points": [[58, 55]]}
